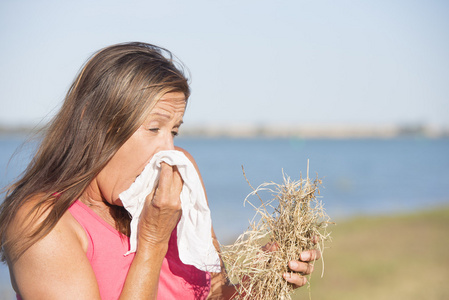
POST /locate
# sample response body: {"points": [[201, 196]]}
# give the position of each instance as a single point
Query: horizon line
{"points": [[288, 130]]}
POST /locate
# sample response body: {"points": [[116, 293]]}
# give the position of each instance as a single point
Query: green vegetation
{"points": [[394, 257]]}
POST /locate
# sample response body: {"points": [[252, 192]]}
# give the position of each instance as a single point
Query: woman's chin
{"points": [[118, 202]]}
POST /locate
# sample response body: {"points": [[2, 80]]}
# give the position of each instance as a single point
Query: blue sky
{"points": [[264, 62]]}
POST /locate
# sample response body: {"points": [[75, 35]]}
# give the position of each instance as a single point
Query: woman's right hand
{"points": [[162, 209], [159, 217]]}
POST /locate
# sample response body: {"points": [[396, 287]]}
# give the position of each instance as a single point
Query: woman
{"points": [[63, 226]]}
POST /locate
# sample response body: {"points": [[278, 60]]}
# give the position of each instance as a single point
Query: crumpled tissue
{"points": [[194, 228]]}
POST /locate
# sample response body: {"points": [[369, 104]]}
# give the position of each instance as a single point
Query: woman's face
{"points": [[154, 135]]}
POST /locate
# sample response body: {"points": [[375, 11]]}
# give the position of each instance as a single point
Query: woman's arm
{"points": [[159, 217]]}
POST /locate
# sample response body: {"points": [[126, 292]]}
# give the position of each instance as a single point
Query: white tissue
{"points": [[194, 228]]}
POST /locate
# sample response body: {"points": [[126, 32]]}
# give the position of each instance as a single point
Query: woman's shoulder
{"points": [[33, 215], [187, 154], [56, 264], [190, 157], [27, 217]]}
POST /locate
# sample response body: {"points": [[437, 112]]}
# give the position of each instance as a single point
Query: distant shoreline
{"points": [[287, 131], [315, 131]]}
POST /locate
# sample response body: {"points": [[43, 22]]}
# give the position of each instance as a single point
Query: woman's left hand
{"points": [[301, 267]]}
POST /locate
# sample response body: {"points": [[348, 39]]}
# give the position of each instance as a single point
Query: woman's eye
{"points": [[155, 130], [174, 133]]}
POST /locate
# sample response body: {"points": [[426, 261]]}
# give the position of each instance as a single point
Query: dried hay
{"points": [[295, 220]]}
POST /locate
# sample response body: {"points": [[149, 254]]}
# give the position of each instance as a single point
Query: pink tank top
{"points": [[106, 251]]}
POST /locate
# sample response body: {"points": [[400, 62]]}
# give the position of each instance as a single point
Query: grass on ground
{"points": [[393, 257]]}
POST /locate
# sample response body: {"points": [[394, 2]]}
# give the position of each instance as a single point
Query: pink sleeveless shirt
{"points": [[106, 251]]}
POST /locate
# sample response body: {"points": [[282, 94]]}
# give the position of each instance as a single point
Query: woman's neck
{"points": [[99, 206]]}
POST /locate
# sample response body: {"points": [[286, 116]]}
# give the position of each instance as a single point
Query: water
{"points": [[359, 176], [371, 176]]}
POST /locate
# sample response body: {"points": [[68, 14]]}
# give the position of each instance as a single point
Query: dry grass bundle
{"points": [[294, 219]]}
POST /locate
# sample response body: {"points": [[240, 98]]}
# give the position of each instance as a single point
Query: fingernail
{"points": [[294, 265], [287, 275], [304, 256]]}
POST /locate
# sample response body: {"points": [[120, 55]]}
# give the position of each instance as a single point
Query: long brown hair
{"points": [[107, 102]]}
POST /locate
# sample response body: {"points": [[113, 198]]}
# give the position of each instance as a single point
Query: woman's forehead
{"points": [[173, 96], [169, 106]]}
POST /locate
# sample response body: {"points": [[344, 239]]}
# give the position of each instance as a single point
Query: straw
{"points": [[294, 218]]}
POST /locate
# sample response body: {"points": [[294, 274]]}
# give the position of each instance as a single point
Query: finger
{"points": [[295, 279], [177, 181], [165, 177], [162, 184], [310, 255], [301, 267], [270, 247], [163, 192], [150, 196]]}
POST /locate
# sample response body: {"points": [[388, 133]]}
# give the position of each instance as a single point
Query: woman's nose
{"points": [[167, 143]]}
